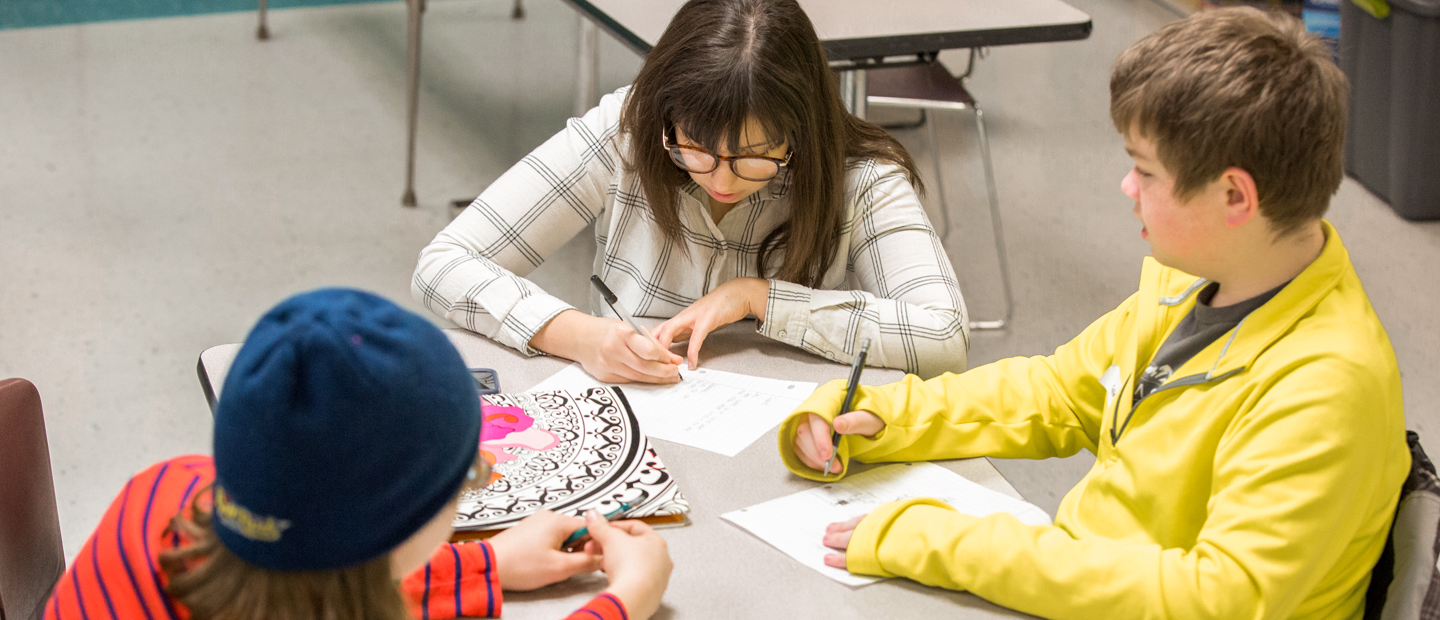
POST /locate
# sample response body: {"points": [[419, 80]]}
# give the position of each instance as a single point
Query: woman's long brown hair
{"points": [[214, 584], [722, 61]]}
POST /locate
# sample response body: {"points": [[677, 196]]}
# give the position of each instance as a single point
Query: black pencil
{"points": [[855, 367]]}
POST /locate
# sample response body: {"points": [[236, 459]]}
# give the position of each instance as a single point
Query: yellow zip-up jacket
{"points": [[1259, 482]]}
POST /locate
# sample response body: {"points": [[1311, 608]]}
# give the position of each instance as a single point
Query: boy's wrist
{"points": [[639, 602]]}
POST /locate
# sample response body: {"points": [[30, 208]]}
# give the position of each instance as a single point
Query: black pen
{"points": [[855, 367], [614, 303]]}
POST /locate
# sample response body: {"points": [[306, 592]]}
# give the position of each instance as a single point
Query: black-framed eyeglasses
{"points": [[703, 161]]}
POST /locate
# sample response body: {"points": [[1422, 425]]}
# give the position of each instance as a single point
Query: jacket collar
{"points": [[1269, 322]]}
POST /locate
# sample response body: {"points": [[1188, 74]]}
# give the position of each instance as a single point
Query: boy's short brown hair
{"points": [[1239, 87]]}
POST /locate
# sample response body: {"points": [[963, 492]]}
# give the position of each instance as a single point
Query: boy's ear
{"points": [[1242, 199]]}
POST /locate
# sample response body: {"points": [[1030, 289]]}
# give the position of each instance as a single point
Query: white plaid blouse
{"points": [[891, 282]]}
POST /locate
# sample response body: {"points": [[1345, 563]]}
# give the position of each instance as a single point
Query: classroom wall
{"points": [[33, 13]]}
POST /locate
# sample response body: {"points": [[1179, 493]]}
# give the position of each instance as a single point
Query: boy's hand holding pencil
{"points": [[817, 444], [813, 440], [529, 555], [635, 558]]}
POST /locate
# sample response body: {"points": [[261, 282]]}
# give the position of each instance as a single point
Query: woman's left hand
{"points": [[837, 536], [729, 302]]}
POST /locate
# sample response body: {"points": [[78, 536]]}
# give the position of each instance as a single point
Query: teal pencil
{"points": [[581, 533]]}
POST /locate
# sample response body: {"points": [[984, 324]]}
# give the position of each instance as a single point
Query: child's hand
{"points": [[837, 536], [635, 558], [528, 556], [812, 437]]}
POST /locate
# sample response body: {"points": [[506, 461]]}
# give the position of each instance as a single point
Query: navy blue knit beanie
{"points": [[345, 424]]}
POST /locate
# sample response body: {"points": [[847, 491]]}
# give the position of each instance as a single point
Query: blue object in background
{"points": [[29, 13], [1322, 17]]}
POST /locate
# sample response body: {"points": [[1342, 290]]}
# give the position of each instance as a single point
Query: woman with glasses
{"points": [[728, 181]]}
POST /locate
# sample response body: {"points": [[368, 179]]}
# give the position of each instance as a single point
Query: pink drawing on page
{"points": [[509, 427]]}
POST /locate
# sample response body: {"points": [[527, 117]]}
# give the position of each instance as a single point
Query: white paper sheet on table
{"points": [[795, 524], [711, 409]]}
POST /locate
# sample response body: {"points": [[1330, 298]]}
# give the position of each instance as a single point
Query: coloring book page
{"points": [[568, 451]]}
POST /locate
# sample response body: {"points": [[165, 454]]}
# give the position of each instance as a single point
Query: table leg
{"points": [[587, 78], [998, 231], [262, 32], [852, 92], [416, 9], [939, 176]]}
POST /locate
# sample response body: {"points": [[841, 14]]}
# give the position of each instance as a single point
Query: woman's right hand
{"points": [[622, 355], [635, 558], [609, 349]]}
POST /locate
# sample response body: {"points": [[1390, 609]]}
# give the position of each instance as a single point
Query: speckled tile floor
{"points": [[162, 182]]}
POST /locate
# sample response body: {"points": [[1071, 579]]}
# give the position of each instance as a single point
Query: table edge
{"points": [[841, 50], [850, 49]]}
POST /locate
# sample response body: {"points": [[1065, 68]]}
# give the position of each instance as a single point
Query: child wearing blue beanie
{"points": [[345, 432]]}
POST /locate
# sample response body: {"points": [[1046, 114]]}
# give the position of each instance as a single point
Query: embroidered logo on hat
{"points": [[246, 523]]}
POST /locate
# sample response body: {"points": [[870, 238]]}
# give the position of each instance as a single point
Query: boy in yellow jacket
{"points": [[1244, 405]]}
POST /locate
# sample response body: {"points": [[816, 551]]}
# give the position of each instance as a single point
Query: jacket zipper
{"points": [[1198, 379], [1178, 383]]}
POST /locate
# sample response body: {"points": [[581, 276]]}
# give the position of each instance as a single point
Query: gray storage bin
{"points": [[1392, 145]]}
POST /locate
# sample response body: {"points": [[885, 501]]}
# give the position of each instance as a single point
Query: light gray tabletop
{"points": [[722, 571], [852, 29]]}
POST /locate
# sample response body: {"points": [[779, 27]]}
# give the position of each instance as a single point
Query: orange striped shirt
{"points": [[117, 573]]}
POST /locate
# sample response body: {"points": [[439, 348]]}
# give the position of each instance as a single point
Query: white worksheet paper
{"points": [[795, 524], [710, 409]]}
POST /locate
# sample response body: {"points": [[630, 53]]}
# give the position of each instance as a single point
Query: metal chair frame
{"points": [[957, 98]]}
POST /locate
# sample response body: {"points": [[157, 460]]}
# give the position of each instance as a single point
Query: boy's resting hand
{"points": [[635, 558], [528, 556], [812, 437], [837, 536]]}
